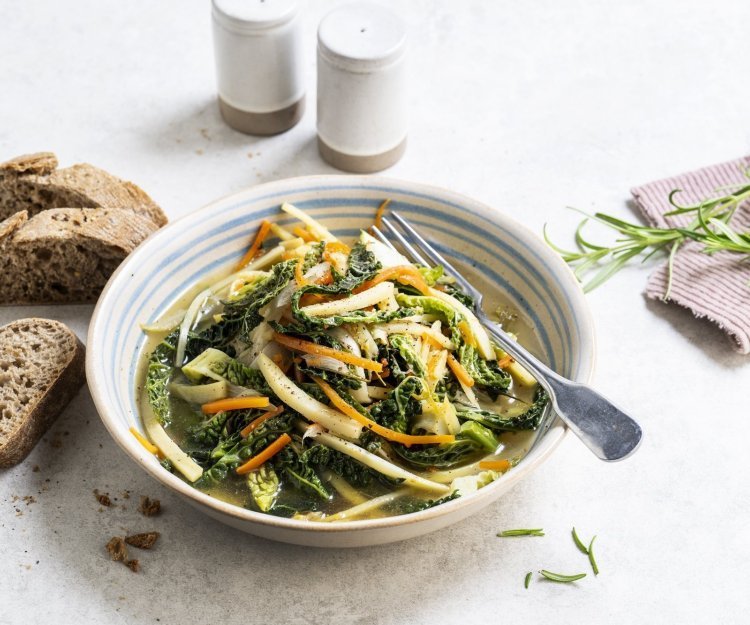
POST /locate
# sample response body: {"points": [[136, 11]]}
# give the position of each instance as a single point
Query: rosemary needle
{"points": [[590, 550], [559, 577], [527, 580], [521, 532], [581, 547]]}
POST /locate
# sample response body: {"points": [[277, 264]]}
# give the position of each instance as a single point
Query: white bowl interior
{"points": [[496, 253]]}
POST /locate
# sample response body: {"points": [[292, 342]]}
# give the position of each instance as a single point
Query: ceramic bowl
{"points": [[499, 253]]}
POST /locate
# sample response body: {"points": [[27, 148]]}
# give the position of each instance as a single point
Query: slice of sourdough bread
{"points": [[65, 254], [41, 370], [33, 183]]}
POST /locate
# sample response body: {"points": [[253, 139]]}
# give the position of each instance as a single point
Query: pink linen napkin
{"points": [[715, 287]]}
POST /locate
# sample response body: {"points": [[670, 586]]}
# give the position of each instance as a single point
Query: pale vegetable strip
{"points": [[309, 407], [264, 456], [309, 347], [318, 230], [416, 329], [365, 508], [391, 435], [272, 257], [379, 464], [480, 334], [187, 324], [346, 490], [234, 403], [181, 461], [364, 299]]}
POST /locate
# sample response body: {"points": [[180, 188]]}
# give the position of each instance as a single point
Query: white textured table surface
{"points": [[527, 106]]}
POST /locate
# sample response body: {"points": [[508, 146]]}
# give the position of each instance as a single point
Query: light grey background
{"points": [[527, 106]]}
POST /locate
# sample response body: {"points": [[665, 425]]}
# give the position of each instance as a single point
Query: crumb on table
{"points": [[149, 507], [133, 565], [116, 548], [145, 540]]}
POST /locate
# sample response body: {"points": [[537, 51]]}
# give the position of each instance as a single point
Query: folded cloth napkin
{"points": [[716, 287]]}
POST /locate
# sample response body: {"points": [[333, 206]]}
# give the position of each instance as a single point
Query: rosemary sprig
{"points": [[710, 228], [559, 577], [521, 532]]}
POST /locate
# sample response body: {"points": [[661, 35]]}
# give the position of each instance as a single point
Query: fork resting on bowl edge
{"points": [[603, 427]]}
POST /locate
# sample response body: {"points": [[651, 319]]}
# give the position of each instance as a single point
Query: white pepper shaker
{"points": [[259, 64], [362, 118]]}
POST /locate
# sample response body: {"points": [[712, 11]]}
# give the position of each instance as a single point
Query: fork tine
{"points": [[434, 255], [382, 238], [410, 249]]}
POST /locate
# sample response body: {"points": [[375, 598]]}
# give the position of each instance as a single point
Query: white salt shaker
{"points": [[259, 64], [362, 119]]}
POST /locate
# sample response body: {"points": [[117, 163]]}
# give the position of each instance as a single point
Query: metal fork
{"points": [[603, 427]]}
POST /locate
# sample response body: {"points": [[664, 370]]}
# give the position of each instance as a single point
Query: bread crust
{"points": [[34, 183], [40, 415], [65, 254]]}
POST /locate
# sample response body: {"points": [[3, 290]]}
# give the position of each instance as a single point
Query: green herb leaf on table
{"points": [[579, 543], [594, 566], [521, 532], [527, 580], [559, 577]]}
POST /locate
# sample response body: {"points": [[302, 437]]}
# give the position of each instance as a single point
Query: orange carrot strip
{"points": [[460, 371], [234, 403], [269, 452], [333, 247], [505, 361], [321, 350], [388, 434], [299, 277], [150, 447], [265, 228], [379, 214], [495, 465], [303, 234], [466, 333], [405, 274], [256, 423]]}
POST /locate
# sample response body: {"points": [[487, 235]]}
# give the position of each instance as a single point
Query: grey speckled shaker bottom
{"points": [[262, 124], [360, 164]]}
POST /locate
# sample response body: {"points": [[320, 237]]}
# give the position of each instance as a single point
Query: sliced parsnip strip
{"points": [[317, 229], [366, 507], [159, 437], [379, 464], [365, 299], [309, 407], [416, 329], [480, 334], [268, 259], [282, 233]]}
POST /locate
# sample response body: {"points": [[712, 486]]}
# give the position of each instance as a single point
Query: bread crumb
{"points": [[149, 507], [29, 499], [199, 152], [35, 468], [117, 549], [145, 540], [133, 565], [103, 498]]}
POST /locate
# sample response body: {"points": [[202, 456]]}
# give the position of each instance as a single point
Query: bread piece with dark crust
{"points": [[41, 370]]}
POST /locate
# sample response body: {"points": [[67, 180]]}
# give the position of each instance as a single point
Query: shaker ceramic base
{"points": [[262, 124], [361, 164]]}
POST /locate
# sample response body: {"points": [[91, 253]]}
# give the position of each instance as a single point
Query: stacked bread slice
{"points": [[64, 231]]}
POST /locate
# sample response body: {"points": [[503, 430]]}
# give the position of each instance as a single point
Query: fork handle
{"points": [[603, 427]]}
